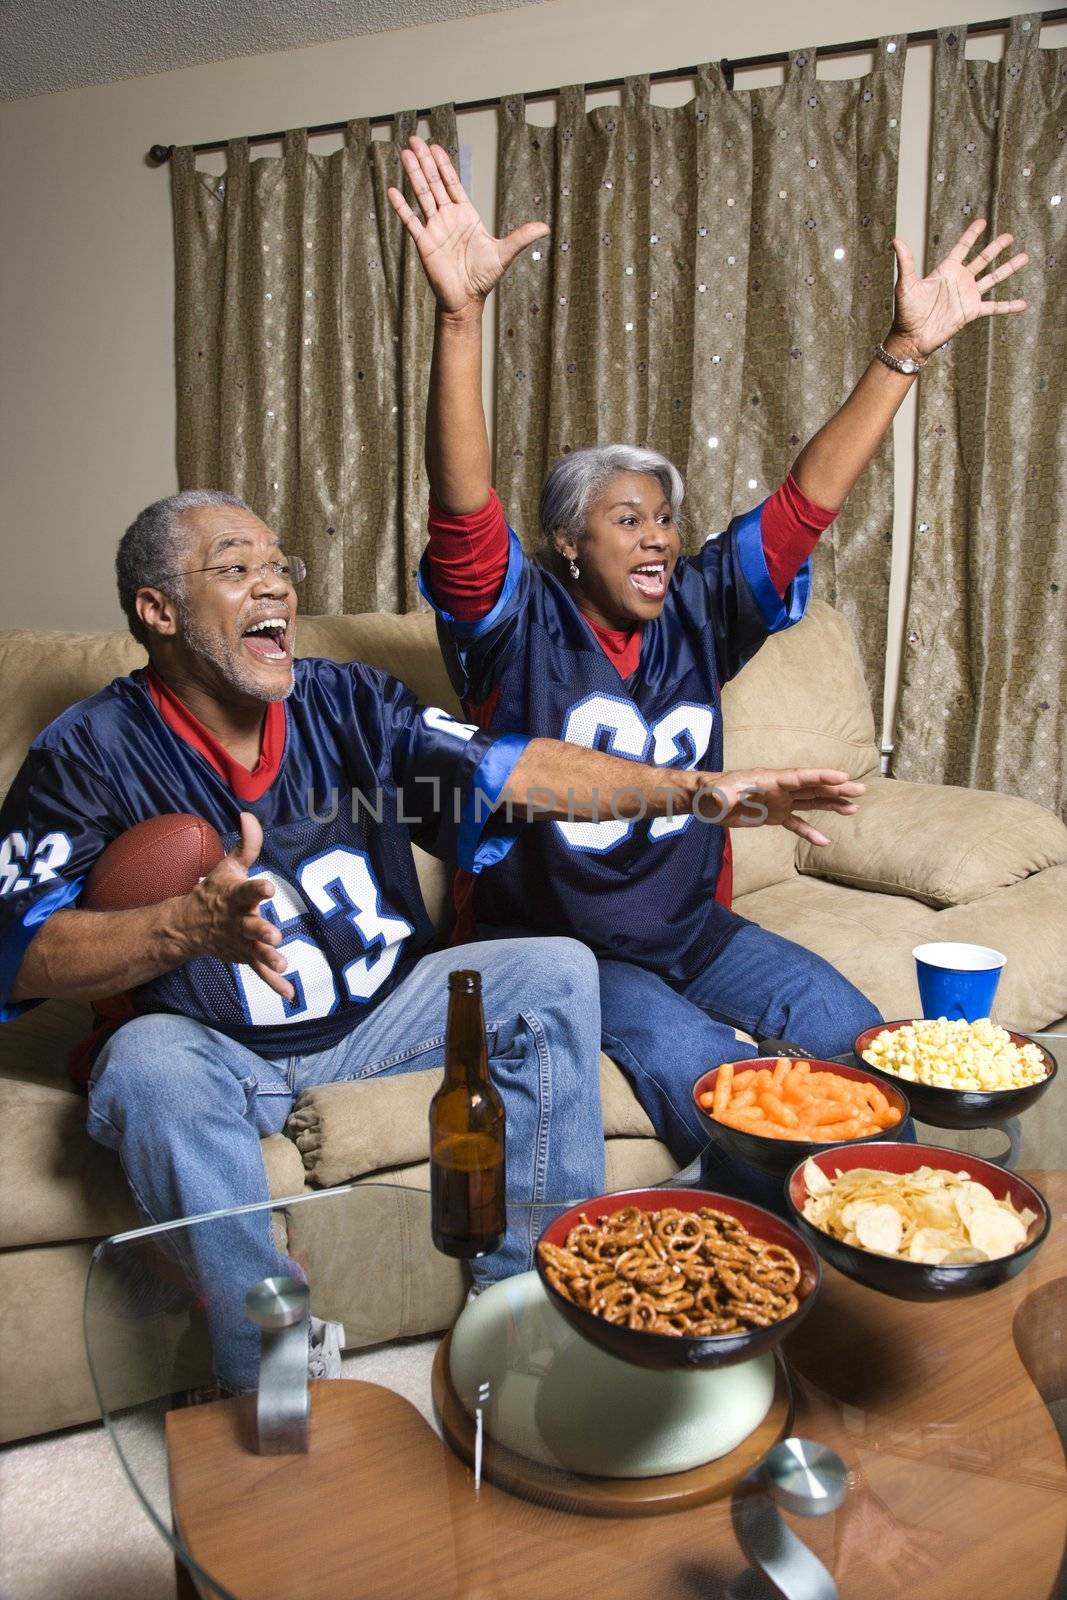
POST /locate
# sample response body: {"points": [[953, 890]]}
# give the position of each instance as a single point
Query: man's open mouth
{"points": [[268, 639], [650, 580]]}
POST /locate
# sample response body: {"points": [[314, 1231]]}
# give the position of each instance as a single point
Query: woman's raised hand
{"points": [[930, 310], [462, 260]]}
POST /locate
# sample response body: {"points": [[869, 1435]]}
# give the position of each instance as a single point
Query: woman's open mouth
{"points": [[268, 639], [650, 580]]}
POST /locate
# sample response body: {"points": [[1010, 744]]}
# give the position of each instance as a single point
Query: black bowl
{"points": [[959, 1108], [664, 1351], [780, 1156], [917, 1280]]}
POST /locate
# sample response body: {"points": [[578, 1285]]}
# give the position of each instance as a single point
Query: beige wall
{"points": [[86, 280]]}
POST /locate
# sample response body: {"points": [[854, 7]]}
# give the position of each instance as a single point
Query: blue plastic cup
{"points": [[957, 980]]}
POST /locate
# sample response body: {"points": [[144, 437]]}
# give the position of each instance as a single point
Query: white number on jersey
{"points": [[680, 738], [42, 864], [441, 722], [340, 882]]}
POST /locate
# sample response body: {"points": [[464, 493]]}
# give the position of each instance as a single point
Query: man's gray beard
{"points": [[227, 662]]}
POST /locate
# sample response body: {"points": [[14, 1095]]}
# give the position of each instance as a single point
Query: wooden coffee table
{"points": [[944, 1414]]}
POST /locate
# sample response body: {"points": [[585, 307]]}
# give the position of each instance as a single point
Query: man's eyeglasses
{"points": [[292, 571]]}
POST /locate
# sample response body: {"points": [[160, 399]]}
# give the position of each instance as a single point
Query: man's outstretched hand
{"points": [[221, 915], [462, 260], [771, 797]]}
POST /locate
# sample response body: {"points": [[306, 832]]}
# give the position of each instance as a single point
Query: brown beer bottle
{"points": [[467, 1133]]}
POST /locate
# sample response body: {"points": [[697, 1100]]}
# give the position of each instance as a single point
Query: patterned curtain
{"points": [[303, 331], [984, 684], [715, 282]]}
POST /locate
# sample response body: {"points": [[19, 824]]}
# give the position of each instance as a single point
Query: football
{"points": [[153, 861]]}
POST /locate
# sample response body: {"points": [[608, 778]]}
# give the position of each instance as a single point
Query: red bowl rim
{"points": [[754, 1218], [844, 1069], [862, 1040], [892, 1156]]}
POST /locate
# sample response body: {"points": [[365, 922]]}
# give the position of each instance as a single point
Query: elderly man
{"points": [[305, 956]]}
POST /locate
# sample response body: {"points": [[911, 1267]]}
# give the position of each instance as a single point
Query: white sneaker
{"points": [[326, 1340]]}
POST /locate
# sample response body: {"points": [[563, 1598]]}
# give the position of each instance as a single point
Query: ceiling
{"points": [[47, 45]]}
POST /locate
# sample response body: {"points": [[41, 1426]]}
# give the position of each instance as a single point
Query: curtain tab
{"points": [[800, 65], [514, 107], [711, 79], [952, 40], [570, 110], [405, 123], [357, 134], [635, 94], [1023, 35], [892, 50], [236, 156], [295, 146], [443, 130]]}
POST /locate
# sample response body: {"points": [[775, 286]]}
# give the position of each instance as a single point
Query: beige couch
{"points": [[917, 863]]}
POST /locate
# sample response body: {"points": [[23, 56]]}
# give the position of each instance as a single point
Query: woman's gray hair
{"points": [[579, 476], [154, 547]]}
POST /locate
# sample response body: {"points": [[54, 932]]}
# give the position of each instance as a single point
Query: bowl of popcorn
{"points": [[917, 1221], [958, 1074]]}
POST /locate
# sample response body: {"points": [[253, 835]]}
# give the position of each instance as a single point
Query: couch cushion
{"points": [[405, 646], [636, 1164], [38, 1043], [943, 845], [800, 702], [57, 1184], [1028, 922], [347, 1130], [44, 673], [870, 937]]}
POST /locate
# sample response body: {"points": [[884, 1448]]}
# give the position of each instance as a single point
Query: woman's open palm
{"points": [[462, 260], [930, 310]]}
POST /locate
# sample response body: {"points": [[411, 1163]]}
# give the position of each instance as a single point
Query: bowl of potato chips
{"points": [[915, 1220], [958, 1074]]}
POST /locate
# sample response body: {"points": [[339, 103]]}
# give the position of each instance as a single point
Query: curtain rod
{"points": [[160, 154]]}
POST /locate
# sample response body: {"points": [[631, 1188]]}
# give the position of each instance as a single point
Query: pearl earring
{"points": [[573, 565]]}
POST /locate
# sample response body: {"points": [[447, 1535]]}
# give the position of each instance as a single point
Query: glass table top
{"points": [[949, 1418]]}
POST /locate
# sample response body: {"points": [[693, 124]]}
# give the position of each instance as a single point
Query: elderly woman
{"points": [[618, 641]]}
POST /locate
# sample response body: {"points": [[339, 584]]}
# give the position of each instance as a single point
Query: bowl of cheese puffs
{"points": [[958, 1074], [770, 1111], [916, 1220]]}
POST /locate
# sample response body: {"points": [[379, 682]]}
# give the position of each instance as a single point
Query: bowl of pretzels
{"points": [[677, 1278]]}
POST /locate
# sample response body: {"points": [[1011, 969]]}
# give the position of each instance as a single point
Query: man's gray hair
{"points": [[579, 476], [155, 545]]}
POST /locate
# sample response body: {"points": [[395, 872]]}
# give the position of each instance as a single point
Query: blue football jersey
{"points": [[365, 772], [640, 891]]}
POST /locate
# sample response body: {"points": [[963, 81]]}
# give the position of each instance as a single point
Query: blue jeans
{"points": [[186, 1107], [664, 1037]]}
